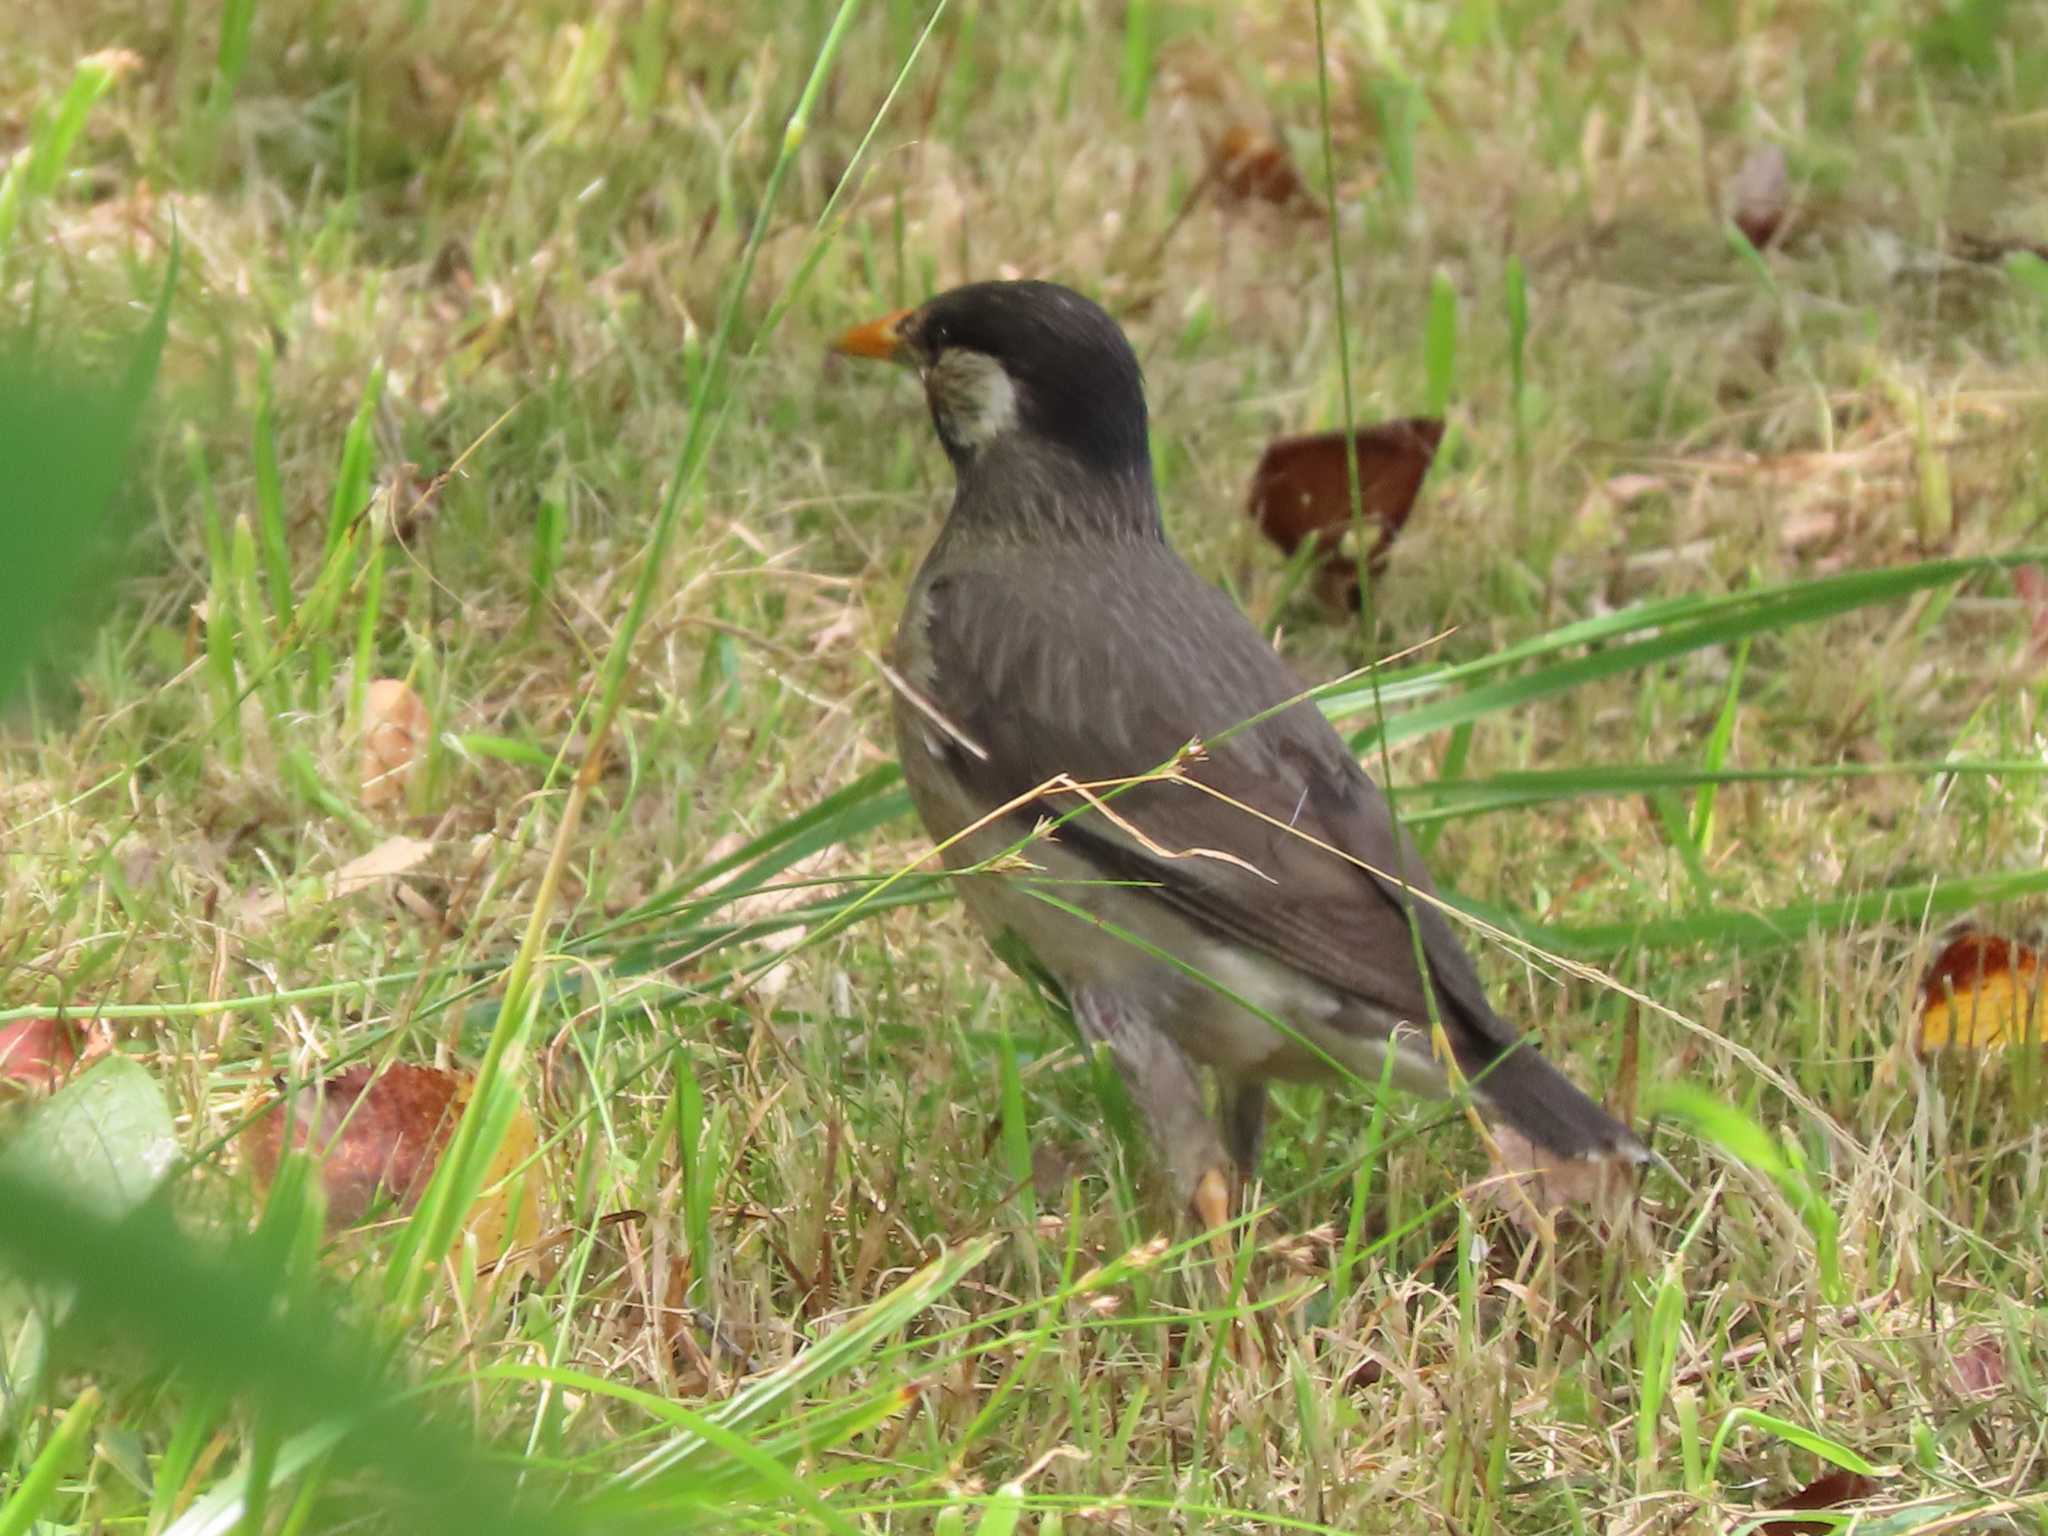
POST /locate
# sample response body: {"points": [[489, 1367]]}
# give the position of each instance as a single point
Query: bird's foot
{"points": [[1211, 1203]]}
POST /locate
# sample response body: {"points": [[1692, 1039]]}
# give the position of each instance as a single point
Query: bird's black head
{"points": [[1029, 360]]}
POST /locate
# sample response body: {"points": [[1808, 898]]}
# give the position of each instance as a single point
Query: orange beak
{"points": [[881, 338]]}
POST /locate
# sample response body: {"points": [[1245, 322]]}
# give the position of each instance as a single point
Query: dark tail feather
{"points": [[1536, 1099]]}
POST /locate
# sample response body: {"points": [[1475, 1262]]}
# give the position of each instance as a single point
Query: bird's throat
{"points": [[1024, 490]]}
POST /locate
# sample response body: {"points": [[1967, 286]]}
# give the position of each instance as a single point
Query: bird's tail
{"points": [[1539, 1101]]}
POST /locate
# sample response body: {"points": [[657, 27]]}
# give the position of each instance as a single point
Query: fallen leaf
{"points": [[1979, 1367], [393, 856], [1982, 993], [838, 632], [105, 1139], [105, 1142], [1301, 492], [396, 729], [1760, 195], [377, 1136], [1832, 1489], [36, 1054], [1531, 1183], [1249, 165], [390, 858], [506, 1219], [1626, 490]]}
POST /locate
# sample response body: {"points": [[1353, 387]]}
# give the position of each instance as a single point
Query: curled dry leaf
{"points": [[1982, 993], [1301, 492], [377, 1136], [36, 1054], [1760, 195], [396, 729]]}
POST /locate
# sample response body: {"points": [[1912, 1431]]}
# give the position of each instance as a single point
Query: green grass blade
{"points": [[27, 1507], [1687, 625]]}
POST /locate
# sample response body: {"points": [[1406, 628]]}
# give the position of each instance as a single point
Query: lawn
{"points": [[446, 589]]}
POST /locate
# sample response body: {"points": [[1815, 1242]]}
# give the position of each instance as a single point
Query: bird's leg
{"points": [[1162, 1084], [1243, 1107]]}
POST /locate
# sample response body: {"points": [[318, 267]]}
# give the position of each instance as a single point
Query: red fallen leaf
{"points": [[1760, 195], [1832, 1489], [377, 1135], [1251, 166], [2032, 584], [1981, 993], [1301, 492], [36, 1053], [1980, 1367]]}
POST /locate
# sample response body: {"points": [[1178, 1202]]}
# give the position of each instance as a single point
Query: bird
{"points": [[1133, 792]]}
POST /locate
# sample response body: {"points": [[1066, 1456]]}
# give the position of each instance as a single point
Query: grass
{"points": [[493, 363]]}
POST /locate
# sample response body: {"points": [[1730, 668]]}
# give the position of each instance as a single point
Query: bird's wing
{"points": [[1101, 672]]}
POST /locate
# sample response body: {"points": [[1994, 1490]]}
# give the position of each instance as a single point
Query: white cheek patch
{"points": [[974, 399]]}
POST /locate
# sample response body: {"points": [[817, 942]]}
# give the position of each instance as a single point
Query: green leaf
{"points": [[104, 1139]]}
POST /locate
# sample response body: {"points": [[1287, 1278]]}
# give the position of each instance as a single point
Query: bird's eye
{"points": [[939, 336]]}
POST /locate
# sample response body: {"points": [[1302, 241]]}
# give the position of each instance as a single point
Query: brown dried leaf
{"points": [[1982, 993], [1832, 1489], [1979, 1366], [1760, 195], [396, 729], [1534, 1182], [378, 1135], [393, 856], [36, 1054], [1301, 492], [1626, 490], [390, 858], [1249, 165]]}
